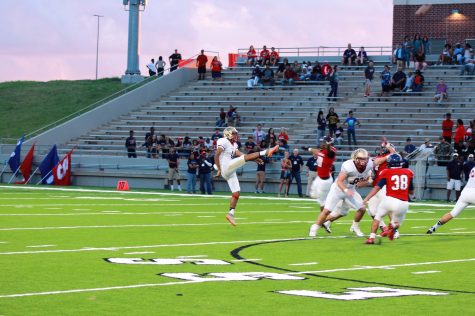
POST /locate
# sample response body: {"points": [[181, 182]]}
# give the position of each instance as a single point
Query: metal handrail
{"points": [[323, 50]]}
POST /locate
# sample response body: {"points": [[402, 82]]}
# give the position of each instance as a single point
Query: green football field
{"points": [[99, 252]]}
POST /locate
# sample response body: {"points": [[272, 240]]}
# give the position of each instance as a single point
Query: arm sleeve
{"points": [[382, 183], [411, 186]]}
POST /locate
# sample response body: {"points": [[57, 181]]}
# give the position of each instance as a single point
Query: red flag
{"points": [[62, 171], [25, 166]]}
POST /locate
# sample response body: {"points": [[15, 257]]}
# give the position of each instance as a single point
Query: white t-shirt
{"points": [[228, 150], [160, 64], [353, 175], [151, 66], [471, 179], [259, 136]]}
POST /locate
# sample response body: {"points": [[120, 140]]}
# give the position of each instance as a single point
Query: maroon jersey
{"points": [[398, 182], [325, 163], [378, 169]]}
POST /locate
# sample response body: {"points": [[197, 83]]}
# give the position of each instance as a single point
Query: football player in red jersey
{"points": [[398, 182]]}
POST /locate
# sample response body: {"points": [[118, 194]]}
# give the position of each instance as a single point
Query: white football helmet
{"points": [[230, 133], [360, 157]]}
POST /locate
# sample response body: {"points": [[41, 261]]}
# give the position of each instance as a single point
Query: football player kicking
{"points": [[355, 173], [228, 159], [398, 182], [326, 156], [466, 197]]}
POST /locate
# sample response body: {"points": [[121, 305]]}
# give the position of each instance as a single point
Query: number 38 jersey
{"points": [[353, 176], [398, 182]]}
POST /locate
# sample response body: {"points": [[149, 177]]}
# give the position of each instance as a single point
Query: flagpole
{"points": [[14, 175], [45, 176], [32, 175], [4, 167]]}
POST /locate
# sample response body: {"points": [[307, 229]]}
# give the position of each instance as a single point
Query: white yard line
{"points": [[425, 272], [191, 257], [138, 252], [40, 246], [245, 260], [457, 228], [208, 216], [303, 264]]}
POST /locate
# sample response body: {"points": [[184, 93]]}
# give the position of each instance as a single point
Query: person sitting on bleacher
{"points": [[446, 57], [297, 68], [305, 74], [441, 91], [268, 76], [409, 82], [264, 56], [349, 56], [274, 56], [418, 82], [255, 78], [289, 76], [420, 60], [466, 52], [251, 56], [326, 70], [280, 70], [232, 116], [458, 53], [316, 73], [362, 57], [398, 80], [469, 66]]}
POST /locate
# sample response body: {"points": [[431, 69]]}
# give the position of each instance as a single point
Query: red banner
{"points": [[62, 171]]}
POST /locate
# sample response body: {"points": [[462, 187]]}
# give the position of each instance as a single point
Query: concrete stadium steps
{"points": [[194, 108]]}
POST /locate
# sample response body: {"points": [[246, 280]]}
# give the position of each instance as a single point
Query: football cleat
{"points": [[385, 232], [369, 241], [357, 231], [396, 234], [230, 219], [313, 231], [391, 231], [327, 226], [431, 231], [272, 150]]}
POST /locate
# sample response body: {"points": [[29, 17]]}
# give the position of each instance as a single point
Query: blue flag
{"points": [[14, 160], [47, 165]]}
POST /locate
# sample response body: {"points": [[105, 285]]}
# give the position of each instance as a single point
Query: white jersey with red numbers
{"points": [[471, 180], [229, 150], [325, 164], [398, 182], [353, 176], [467, 196]]}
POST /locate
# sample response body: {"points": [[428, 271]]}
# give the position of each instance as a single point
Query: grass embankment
{"points": [[26, 106]]}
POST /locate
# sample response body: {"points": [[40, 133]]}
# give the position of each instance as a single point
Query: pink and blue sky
{"points": [[56, 39]]}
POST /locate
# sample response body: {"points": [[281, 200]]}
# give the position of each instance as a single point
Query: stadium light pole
{"points": [[97, 45]]}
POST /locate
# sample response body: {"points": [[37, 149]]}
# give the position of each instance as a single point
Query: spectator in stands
{"points": [[264, 56], [280, 70], [333, 120], [459, 136], [447, 127], [193, 165], [290, 76], [187, 143], [334, 78], [349, 56], [311, 165], [362, 57], [339, 135], [283, 145], [442, 152], [271, 139], [285, 168], [267, 77], [447, 55], [216, 68], [305, 74], [385, 81], [251, 56], [162, 141], [216, 135], [418, 82], [173, 170], [297, 68], [398, 80], [274, 56], [326, 70], [409, 82], [148, 141], [351, 122], [160, 65], [256, 78], [297, 162], [409, 147], [261, 174], [454, 176], [250, 145], [469, 66], [152, 70], [195, 146], [316, 73], [208, 144], [468, 166], [398, 57], [417, 46], [179, 143], [232, 116], [441, 91], [131, 145], [174, 59], [259, 134], [283, 134], [201, 61], [420, 63], [466, 52], [369, 75], [221, 122], [458, 54], [321, 126], [154, 146], [469, 131], [407, 46], [169, 143], [427, 45], [206, 162]]}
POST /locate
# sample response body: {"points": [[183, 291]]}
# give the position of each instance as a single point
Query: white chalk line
{"points": [[138, 253], [303, 264], [425, 272], [40, 246], [191, 257]]}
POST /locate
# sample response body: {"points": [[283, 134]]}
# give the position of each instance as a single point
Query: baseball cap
{"points": [[470, 156], [455, 155]]}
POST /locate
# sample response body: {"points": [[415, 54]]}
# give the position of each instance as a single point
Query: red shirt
{"points": [[252, 53], [265, 53], [274, 55], [326, 69], [325, 164], [447, 126], [202, 60], [216, 65], [283, 136], [378, 169], [398, 182], [459, 134]]}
